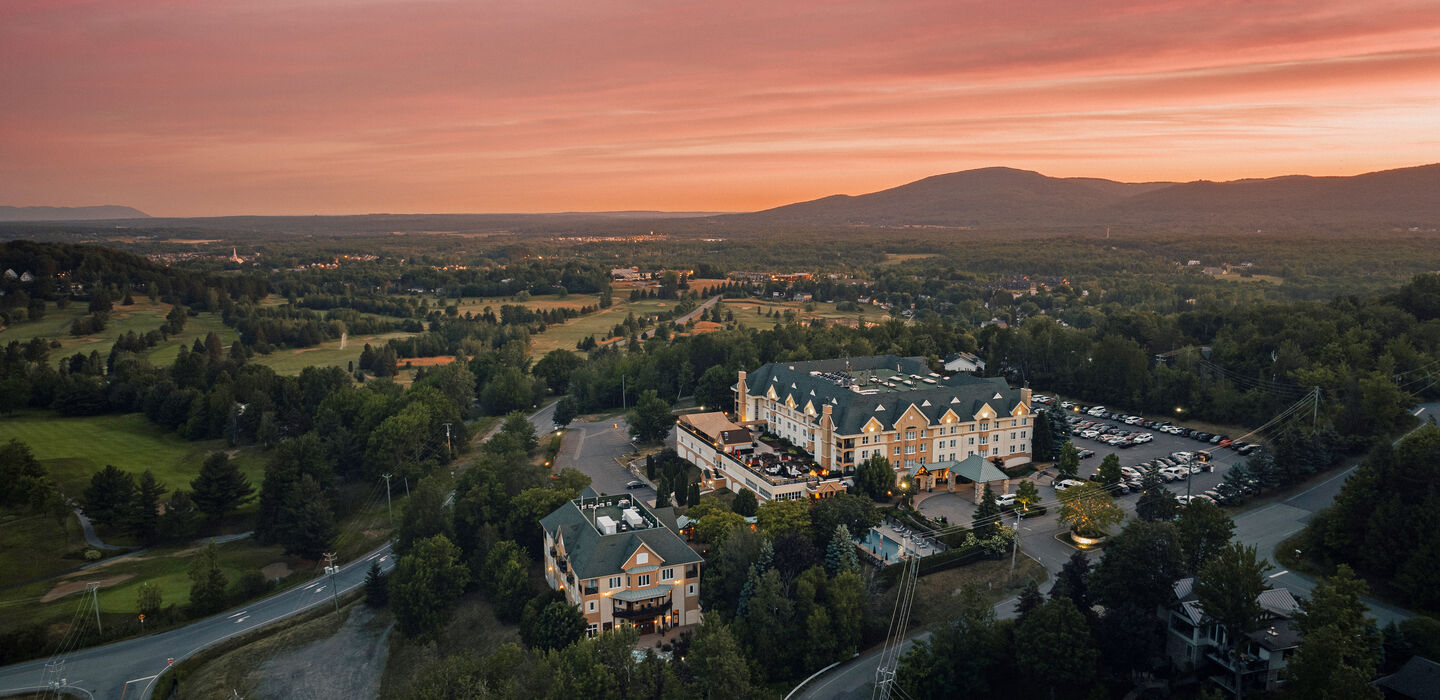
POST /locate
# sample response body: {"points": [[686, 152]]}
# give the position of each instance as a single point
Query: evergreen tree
{"points": [[425, 586], [207, 582], [143, 519], [220, 487], [424, 516], [1109, 471], [874, 477], [1203, 529], [377, 586], [1156, 503], [1072, 582], [1027, 495], [693, 493], [987, 515], [744, 503], [1068, 464], [1228, 588], [1029, 599], [107, 499], [840, 555], [311, 525], [1042, 439], [1053, 646]]}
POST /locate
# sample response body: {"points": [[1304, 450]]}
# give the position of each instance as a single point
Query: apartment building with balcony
{"points": [[843, 411], [1195, 643], [622, 563]]}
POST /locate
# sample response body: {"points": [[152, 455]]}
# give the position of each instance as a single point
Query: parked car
{"points": [[1144, 438], [1006, 499], [635, 484], [1066, 484], [1085, 454]]}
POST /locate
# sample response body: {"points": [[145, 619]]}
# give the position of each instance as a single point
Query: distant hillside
{"points": [[1005, 197], [108, 211]]}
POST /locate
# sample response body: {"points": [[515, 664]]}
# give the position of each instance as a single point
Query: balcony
{"points": [[655, 607]]}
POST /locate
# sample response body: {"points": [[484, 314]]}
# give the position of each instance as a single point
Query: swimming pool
{"points": [[887, 544]]}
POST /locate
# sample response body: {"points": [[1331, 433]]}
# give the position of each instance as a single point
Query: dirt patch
{"points": [[347, 664], [67, 587], [706, 327], [426, 361], [274, 571], [371, 534], [297, 352]]}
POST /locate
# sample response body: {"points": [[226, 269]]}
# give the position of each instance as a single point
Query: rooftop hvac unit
{"points": [[606, 525]]}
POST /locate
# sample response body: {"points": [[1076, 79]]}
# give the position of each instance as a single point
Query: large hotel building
{"points": [[937, 429]]}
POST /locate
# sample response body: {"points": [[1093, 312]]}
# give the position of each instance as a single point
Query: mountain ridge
{"points": [[90, 213]]}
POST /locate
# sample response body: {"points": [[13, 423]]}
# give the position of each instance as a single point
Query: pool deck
{"points": [[894, 543]]}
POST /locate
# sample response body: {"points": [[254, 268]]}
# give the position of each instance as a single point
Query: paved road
{"points": [[597, 450], [130, 667], [683, 319]]}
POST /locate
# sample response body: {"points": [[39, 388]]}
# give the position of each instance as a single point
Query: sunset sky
{"points": [[188, 108]]}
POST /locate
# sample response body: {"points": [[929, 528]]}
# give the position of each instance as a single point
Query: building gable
{"points": [[642, 556]]}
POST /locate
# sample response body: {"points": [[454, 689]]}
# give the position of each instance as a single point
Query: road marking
{"points": [[242, 619], [1418, 411], [317, 590], [242, 612], [382, 559], [1280, 573]]}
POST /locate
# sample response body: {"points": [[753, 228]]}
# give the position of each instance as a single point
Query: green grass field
{"points": [[327, 354], [752, 312], [73, 449], [35, 545], [598, 324], [141, 317]]}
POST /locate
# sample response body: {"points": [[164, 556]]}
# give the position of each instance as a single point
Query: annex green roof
{"points": [[593, 554]]}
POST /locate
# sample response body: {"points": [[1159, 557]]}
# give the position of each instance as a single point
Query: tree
{"points": [[720, 669], [744, 503], [519, 427], [311, 525], [207, 582], [377, 586], [715, 527], [1228, 589], [506, 579], [558, 625], [1026, 494], [840, 554], [108, 497], [713, 390], [874, 477], [24, 482], [425, 585], [1029, 599], [1339, 647], [424, 516], [220, 487], [1069, 463], [1042, 438], [857, 513], [1071, 582], [961, 657], [567, 409], [556, 367], [1156, 503], [148, 600], [1053, 645], [1204, 529], [1089, 510], [650, 420], [1109, 471], [143, 519], [776, 518], [986, 516]]}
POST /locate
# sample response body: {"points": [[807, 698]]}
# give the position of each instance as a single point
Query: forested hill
{"points": [[1005, 197], [109, 211]]}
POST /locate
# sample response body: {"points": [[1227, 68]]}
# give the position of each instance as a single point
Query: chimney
{"points": [[740, 399]]}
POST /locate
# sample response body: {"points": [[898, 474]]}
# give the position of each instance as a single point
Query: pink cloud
{"points": [[338, 106]]}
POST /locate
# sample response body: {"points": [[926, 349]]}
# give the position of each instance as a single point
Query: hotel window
{"points": [[909, 449], [667, 574], [897, 450], [642, 580], [909, 435], [614, 582], [590, 606], [972, 440], [865, 439], [922, 433], [995, 451], [985, 425], [1012, 449], [1022, 435], [984, 439], [1012, 436], [690, 589], [922, 447]]}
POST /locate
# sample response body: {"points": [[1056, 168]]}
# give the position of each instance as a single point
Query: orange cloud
{"points": [[344, 106]]}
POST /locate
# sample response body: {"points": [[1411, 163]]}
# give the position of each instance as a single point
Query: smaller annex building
{"points": [[730, 456], [622, 563]]}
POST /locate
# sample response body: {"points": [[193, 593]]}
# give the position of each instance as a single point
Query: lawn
{"points": [[752, 312], [73, 449], [898, 258], [141, 317], [598, 324], [327, 354], [936, 595], [32, 546], [476, 305]]}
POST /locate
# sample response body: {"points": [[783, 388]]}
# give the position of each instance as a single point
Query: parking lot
{"points": [[1161, 444]]}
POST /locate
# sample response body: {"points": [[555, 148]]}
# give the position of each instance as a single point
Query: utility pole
{"points": [[447, 442], [388, 510], [1315, 408], [331, 570], [1015, 544], [622, 393], [94, 589]]}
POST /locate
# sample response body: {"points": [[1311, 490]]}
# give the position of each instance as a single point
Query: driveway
{"points": [[597, 449]]}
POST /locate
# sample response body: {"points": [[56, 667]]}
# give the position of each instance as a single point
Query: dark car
{"points": [[635, 484]]}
